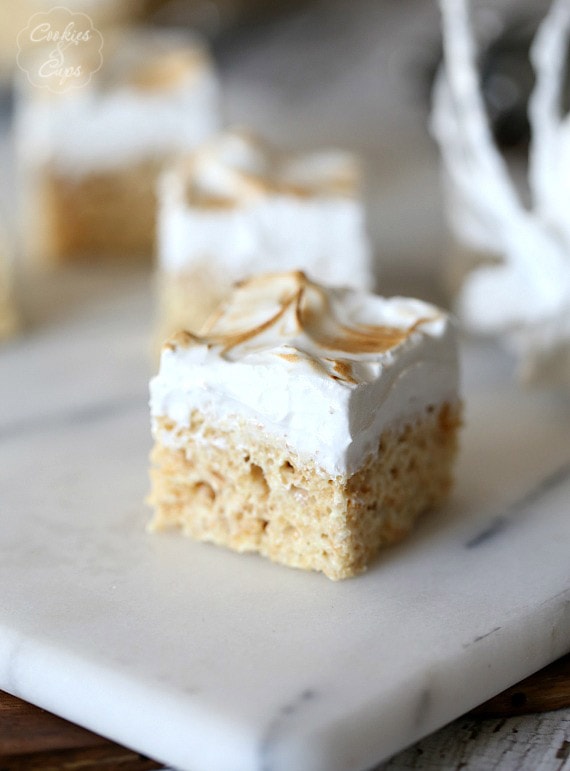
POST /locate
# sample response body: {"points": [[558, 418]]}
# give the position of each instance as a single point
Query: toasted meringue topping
{"points": [[235, 207], [237, 167], [167, 70], [287, 310], [155, 96], [324, 369]]}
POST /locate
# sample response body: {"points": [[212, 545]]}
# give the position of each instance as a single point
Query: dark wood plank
{"points": [[25, 729], [32, 738], [107, 757], [546, 690]]}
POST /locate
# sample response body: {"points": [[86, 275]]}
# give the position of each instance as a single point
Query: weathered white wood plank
{"points": [[539, 742]]}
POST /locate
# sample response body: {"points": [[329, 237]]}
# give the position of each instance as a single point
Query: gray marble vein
{"points": [[526, 502], [279, 725]]}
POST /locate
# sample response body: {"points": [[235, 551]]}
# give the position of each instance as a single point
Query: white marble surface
{"points": [[208, 660], [211, 661]]}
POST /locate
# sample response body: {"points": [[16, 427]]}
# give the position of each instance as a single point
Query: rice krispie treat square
{"points": [[89, 158], [308, 424], [9, 320], [238, 206]]}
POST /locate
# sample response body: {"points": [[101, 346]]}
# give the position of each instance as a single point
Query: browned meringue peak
{"points": [[246, 167], [167, 70], [332, 172], [295, 318], [149, 60]]}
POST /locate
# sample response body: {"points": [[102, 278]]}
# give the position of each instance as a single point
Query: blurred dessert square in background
{"points": [[9, 321], [88, 158], [237, 206]]}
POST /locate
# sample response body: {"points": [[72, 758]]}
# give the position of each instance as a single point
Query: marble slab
{"points": [[211, 661]]}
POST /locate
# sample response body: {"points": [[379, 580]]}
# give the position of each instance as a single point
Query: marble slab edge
{"points": [[178, 731]]}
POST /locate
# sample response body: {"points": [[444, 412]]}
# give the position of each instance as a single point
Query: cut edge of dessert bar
{"points": [[9, 318], [310, 425]]}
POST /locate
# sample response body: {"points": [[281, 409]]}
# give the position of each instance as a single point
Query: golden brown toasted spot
{"points": [[228, 341], [166, 70], [353, 340], [198, 197], [247, 186], [340, 185], [182, 339], [310, 308], [343, 370], [312, 362], [289, 356], [274, 178], [244, 186], [299, 191]]}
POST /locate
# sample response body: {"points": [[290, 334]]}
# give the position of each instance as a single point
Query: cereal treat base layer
{"points": [[8, 316], [103, 213], [8, 320], [238, 489]]}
